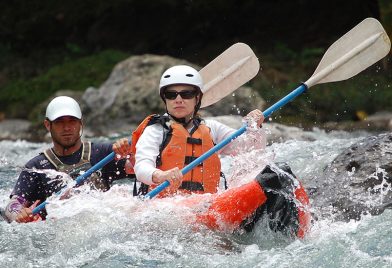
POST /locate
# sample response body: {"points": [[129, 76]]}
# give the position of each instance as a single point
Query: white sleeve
{"points": [[147, 151], [219, 132]]}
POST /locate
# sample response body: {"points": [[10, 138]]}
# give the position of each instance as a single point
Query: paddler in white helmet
{"points": [[165, 144], [69, 155]]}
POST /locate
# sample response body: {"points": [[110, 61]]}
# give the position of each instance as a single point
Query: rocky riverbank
{"points": [[130, 94]]}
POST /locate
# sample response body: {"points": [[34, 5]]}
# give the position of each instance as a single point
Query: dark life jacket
{"points": [[77, 169]]}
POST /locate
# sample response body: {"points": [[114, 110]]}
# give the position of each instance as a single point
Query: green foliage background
{"points": [[19, 97], [46, 46]]}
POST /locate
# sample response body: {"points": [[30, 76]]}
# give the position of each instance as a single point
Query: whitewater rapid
{"points": [[114, 229]]}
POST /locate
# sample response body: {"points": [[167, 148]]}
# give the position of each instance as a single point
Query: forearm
{"points": [[220, 132], [147, 151], [144, 172], [254, 138]]}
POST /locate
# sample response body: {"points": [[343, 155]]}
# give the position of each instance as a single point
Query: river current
{"points": [[114, 229]]}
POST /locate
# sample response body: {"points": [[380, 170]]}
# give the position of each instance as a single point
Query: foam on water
{"points": [[114, 229]]}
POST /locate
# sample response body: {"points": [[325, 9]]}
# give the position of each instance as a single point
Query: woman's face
{"points": [[181, 105]]}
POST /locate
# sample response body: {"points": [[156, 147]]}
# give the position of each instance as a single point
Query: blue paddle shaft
{"points": [[295, 93], [96, 167], [199, 160], [80, 178], [283, 101]]}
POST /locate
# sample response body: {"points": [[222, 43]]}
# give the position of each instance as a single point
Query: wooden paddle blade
{"points": [[230, 70], [355, 51]]}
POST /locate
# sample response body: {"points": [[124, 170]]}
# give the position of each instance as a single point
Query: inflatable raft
{"points": [[275, 194]]}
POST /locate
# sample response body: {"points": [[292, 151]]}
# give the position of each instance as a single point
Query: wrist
{"points": [[155, 177]]}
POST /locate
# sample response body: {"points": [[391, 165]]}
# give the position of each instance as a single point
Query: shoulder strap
{"points": [[86, 153], [167, 134], [159, 119], [196, 123], [51, 156], [148, 121]]}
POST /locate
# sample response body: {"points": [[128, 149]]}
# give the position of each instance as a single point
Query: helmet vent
{"points": [[167, 76], [189, 75]]}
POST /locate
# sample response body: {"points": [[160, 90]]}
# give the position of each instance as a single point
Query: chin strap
{"points": [[182, 121], [195, 120]]}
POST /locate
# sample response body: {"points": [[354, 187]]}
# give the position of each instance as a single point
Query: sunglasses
{"points": [[185, 94]]}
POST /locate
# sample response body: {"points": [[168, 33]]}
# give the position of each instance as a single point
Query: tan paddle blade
{"points": [[230, 70], [355, 51]]}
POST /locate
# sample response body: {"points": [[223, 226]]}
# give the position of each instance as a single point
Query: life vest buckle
{"points": [[191, 140], [190, 159]]}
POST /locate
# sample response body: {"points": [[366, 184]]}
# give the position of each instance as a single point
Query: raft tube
{"points": [[275, 193]]}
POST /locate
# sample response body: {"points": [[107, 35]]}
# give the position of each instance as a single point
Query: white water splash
{"points": [[114, 229]]}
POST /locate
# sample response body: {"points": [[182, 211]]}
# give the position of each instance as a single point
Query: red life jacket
{"points": [[179, 148]]}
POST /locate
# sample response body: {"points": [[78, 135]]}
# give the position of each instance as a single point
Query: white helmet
{"points": [[63, 106], [180, 74]]}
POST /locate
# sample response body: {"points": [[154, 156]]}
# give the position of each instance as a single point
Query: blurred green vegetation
{"points": [[48, 46], [284, 70], [19, 97], [369, 91]]}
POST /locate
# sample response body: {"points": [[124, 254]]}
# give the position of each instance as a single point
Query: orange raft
{"points": [[275, 194]]}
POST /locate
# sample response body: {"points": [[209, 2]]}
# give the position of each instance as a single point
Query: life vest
{"points": [[179, 148], [77, 169]]}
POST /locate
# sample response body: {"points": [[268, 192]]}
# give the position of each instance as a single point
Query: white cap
{"points": [[181, 74], [63, 106]]}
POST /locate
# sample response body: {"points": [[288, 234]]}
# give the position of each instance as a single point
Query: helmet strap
{"points": [[182, 121]]}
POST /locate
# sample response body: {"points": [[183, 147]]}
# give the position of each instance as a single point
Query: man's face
{"points": [[65, 130]]}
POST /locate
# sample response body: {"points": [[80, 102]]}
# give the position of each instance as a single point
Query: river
{"points": [[113, 229]]}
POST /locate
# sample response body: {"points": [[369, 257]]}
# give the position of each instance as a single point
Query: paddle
{"points": [[227, 72], [358, 49], [231, 69]]}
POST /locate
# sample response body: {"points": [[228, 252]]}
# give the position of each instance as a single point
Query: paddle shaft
{"points": [[379, 46], [197, 161], [358, 49], [298, 91], [80, 179]]}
